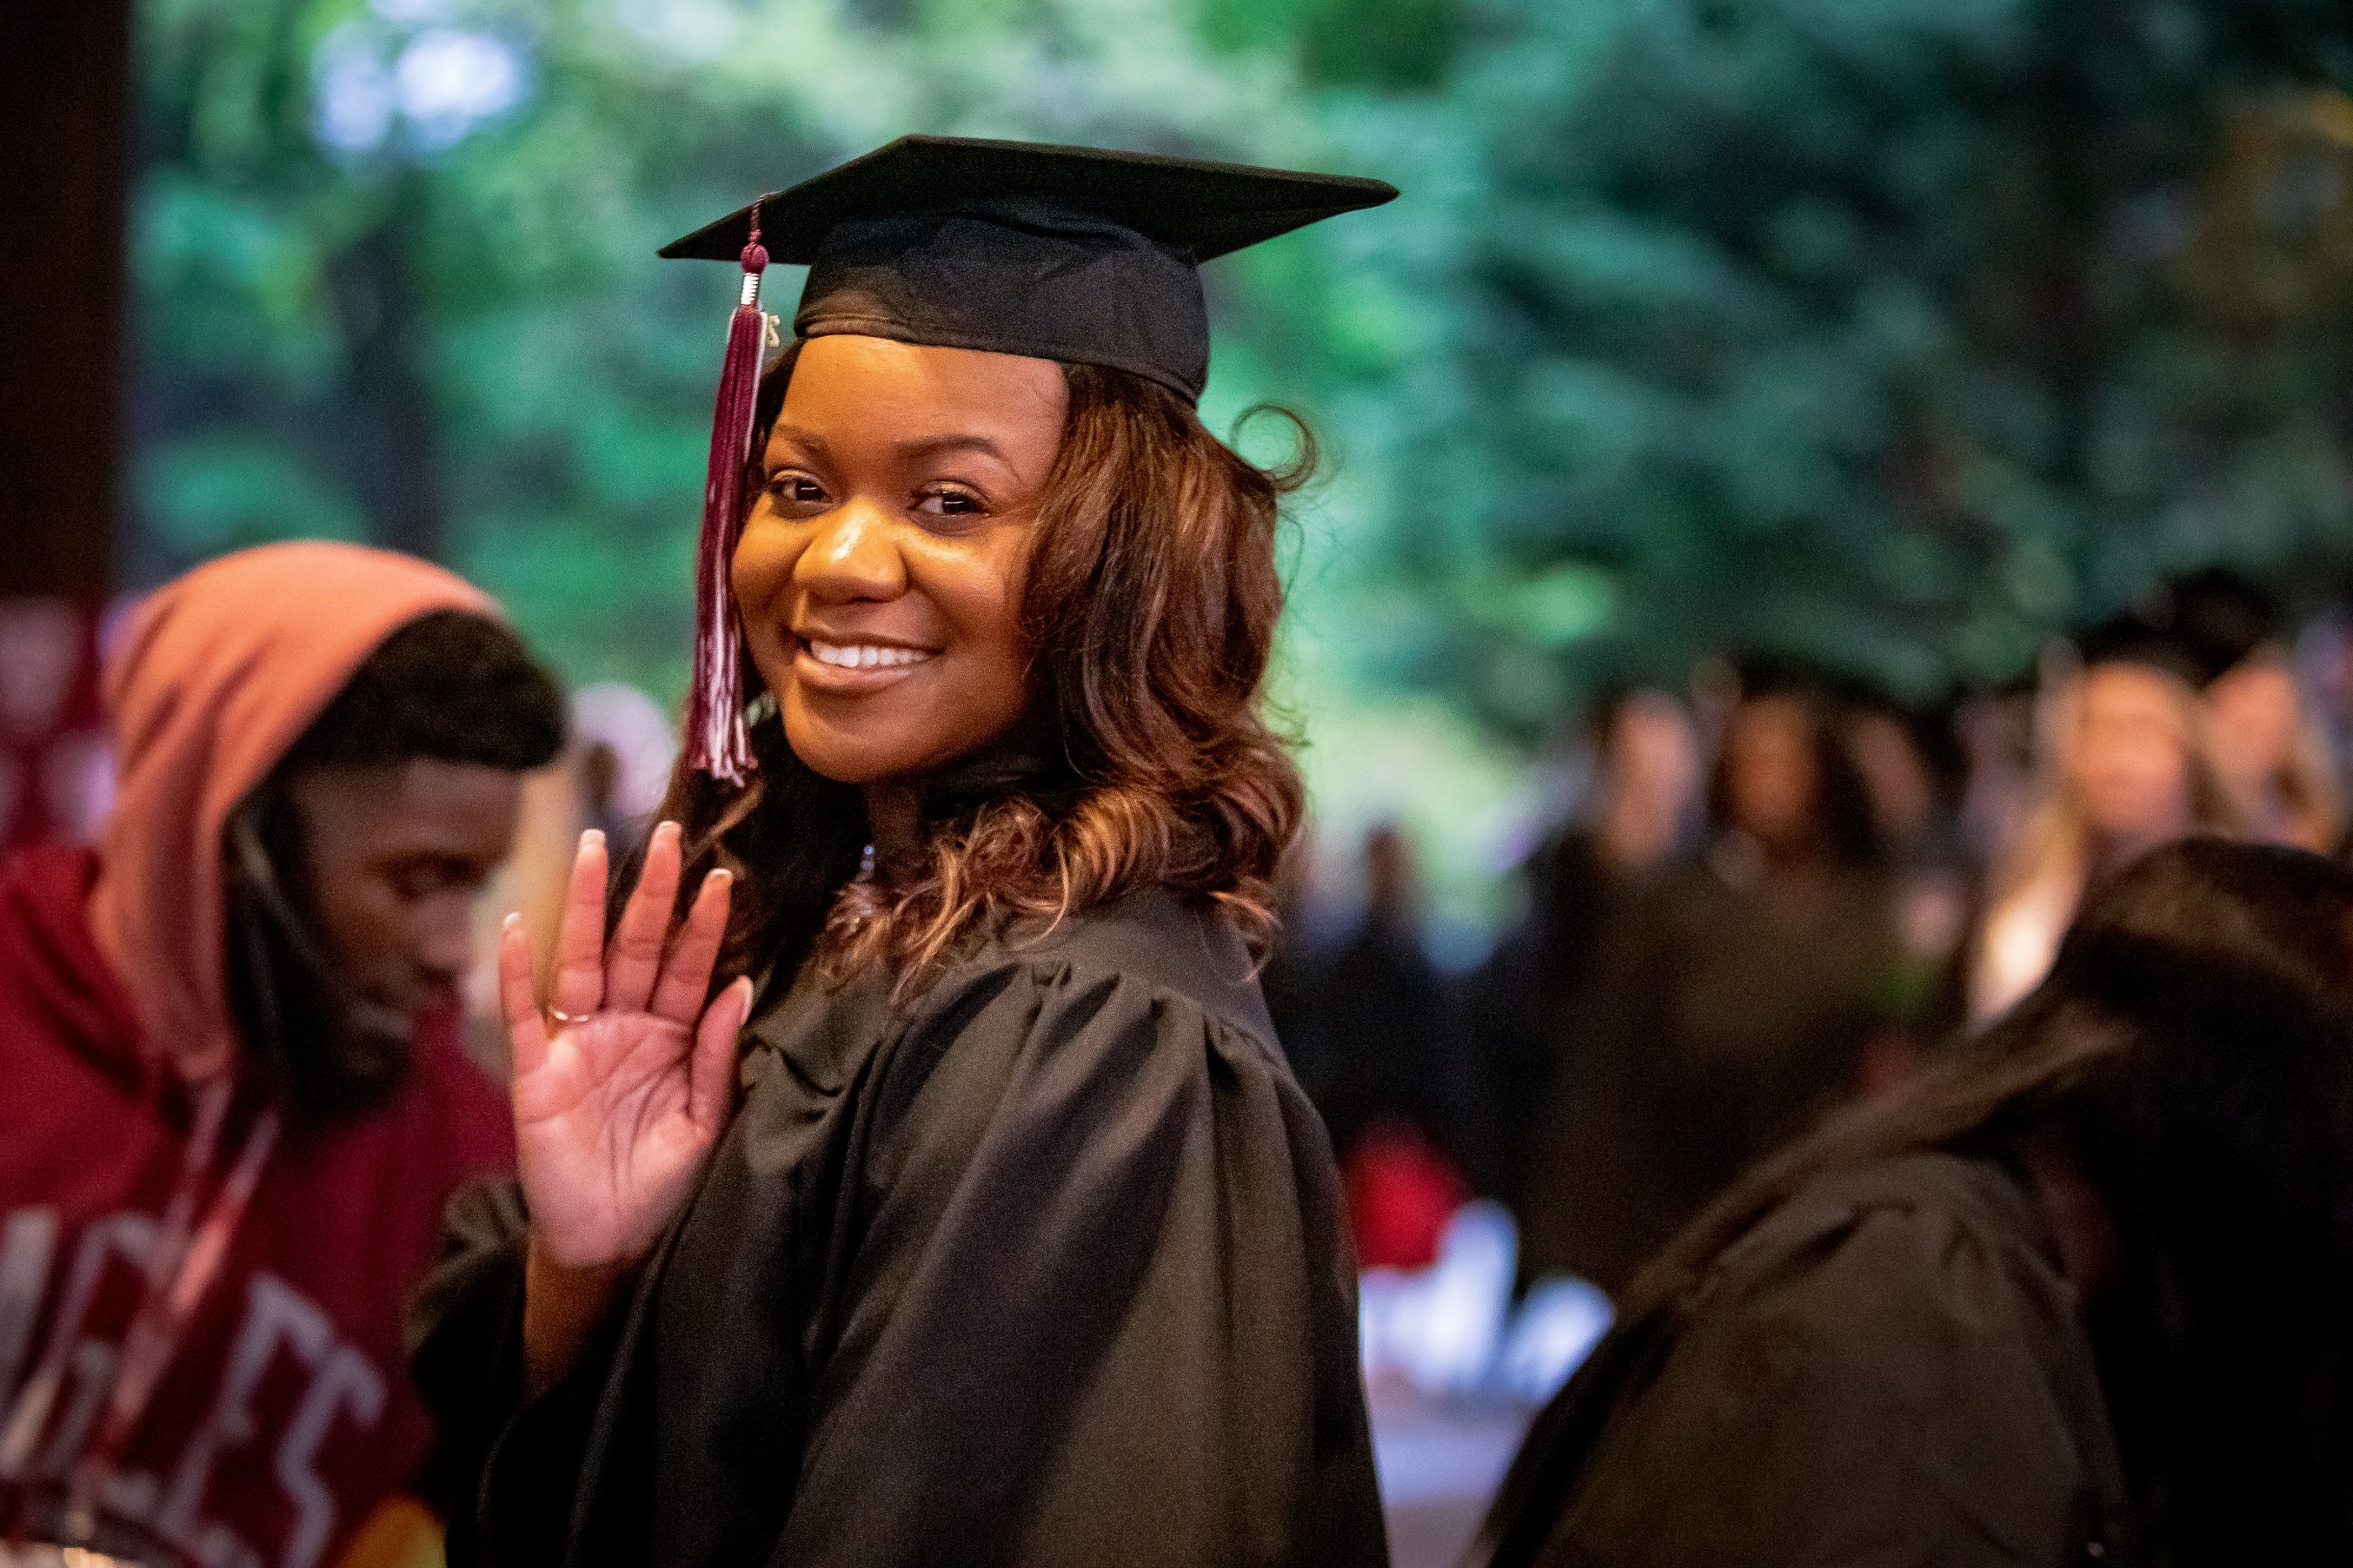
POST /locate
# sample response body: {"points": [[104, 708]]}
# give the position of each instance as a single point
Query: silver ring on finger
{"points": [[568, 1019]]}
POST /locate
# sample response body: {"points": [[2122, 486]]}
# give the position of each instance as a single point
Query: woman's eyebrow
{"points": [[923, 447], [931, 446]]}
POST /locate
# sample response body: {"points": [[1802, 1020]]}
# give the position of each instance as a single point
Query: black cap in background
{"points": [[2134, 639], [2220, 616]]}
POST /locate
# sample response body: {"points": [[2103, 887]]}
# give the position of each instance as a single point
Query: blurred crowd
{"points": [[1779, 891], [1775, 890], [2106, 1091]]}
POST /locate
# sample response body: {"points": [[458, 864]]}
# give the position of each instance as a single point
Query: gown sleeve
{"points": [[465, 1334], [464, 1337], [1100, 1306]]}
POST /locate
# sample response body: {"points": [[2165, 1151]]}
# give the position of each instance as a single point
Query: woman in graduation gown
{"points": [[970, 1214]]}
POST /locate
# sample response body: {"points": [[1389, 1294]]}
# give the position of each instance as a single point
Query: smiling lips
{"points": [[843, 665]]}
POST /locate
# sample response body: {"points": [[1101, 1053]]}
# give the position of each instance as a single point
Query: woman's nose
{"points": [[853, 556]]}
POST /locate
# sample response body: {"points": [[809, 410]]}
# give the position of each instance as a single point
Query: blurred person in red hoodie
{"points": [[236, 1100]]}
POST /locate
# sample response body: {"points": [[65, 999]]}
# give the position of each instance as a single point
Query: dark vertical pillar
{"points": [[64, 69], [396, 445], [65, 72]]}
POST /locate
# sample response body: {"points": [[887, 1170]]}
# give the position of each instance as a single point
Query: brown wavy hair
{"points": [[1149, 612]]}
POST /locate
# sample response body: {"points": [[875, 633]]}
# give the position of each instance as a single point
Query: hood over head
{"points": [[218, 676]]}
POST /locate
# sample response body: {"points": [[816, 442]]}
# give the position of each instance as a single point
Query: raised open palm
{"points": [[615, 1109]]}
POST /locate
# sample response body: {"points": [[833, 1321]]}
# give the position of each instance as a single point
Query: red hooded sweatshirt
{"points": [[283, 1417]]}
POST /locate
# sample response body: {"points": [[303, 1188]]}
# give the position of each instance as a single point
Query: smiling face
{"points": [[879, 572]]}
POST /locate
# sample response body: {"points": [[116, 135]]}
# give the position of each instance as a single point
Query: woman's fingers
{"points": [[579, 986], [526, 1031], [686, 978], [634, 959], [711, 1076]]}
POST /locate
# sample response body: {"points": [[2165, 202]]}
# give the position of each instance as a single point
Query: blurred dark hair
{"points": [[450, 686], [1841, 805], [1149, 605], [2192, 1048], [2219, 616]]}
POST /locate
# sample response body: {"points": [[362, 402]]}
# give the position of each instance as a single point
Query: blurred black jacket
{"points": [[1888, 1368]]}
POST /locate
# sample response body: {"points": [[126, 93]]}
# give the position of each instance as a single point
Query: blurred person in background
{"points": [[2267, 739], [623, 748], [611, 780], [599, 776], [1642, 811], [1730, 1004], [2078, 1295], [2127, 764], [1883, 738], [54, 768], [1372, 1034], [236, 1098], [1912, 766], [2323, 662], [1996, 731], [2272, 753]]}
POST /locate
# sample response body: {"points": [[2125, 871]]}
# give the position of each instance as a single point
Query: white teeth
{"points": [[863, 656]]}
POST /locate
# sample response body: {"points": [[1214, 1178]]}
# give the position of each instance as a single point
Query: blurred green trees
{"points": [[1893, 334], [1887, 333], [394, 261]]}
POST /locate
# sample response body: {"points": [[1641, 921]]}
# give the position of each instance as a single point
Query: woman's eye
{"points": [[795, 490], [949, 503]]}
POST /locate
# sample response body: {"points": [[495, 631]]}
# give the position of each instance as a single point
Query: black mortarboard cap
{"points": [[1076, 254]]}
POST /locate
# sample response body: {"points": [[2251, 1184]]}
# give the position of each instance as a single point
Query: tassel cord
{"points": [[716, 739]]}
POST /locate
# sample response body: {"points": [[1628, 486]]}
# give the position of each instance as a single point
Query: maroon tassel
{"points": [[716, 743]]}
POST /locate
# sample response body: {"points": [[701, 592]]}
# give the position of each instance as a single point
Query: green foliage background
{"points": [[1894, 334]]}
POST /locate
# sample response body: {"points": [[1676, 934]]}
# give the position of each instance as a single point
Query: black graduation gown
{"points": [[1712, 1032], [1888, 1369], [1048, 1268]]}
